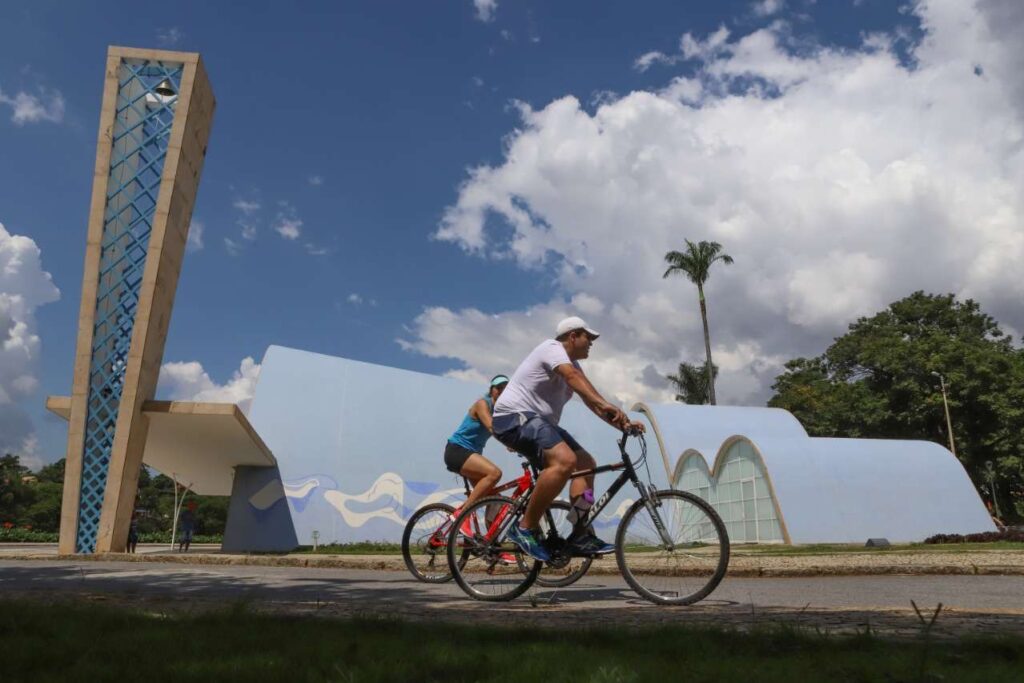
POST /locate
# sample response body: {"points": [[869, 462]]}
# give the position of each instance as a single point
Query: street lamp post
{"points": [[945, 404]]}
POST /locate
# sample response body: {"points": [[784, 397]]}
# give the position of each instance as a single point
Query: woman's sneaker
{"points": [[528, 543]]}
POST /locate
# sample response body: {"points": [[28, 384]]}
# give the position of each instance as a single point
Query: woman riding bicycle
{"points": [[463, 452]]}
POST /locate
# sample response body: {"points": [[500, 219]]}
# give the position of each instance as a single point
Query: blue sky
{"points": [[357, 123]]}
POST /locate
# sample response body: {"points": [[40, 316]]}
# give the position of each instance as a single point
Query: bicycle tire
{"points": [[550, 577], [481, 558], [409, 544], [708, 535]]}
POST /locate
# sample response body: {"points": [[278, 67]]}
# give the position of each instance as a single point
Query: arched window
{"points": [[741, 494]]}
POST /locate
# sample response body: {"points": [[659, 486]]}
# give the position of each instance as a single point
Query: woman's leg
{"points": [[482, 473]]}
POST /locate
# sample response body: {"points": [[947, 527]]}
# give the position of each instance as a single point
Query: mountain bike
{"points": [[671, 546], [426, 537]]}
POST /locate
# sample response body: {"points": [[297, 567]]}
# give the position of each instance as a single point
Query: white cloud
{"points": [[840, 179], [190, 382], [232, 246], [288, 227], [169, 37], [315, 250], [48, 105], [316, 180], [247, 207], [649, 59], [24, 287], [248, 230], [766, 8], [195, 236], [485, 9], [354, 298]]}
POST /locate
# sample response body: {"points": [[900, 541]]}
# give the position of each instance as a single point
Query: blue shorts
{"points": [[530, 435]]}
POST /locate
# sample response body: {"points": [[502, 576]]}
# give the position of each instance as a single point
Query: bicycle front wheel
{"points": [[425, 543], [681, 567], [485, 564]]}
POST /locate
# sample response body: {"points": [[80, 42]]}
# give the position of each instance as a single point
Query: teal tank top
{"points": [[471, 434]]}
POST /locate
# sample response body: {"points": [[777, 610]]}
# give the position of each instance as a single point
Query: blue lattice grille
{"points": [[142, 128]]}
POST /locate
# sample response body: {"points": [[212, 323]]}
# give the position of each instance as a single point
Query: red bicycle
{"points": [[427, 534]]}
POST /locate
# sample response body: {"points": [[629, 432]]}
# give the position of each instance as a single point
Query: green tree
{"points": [[695, 263], [691, 383], [15, 494], [877, 381]]}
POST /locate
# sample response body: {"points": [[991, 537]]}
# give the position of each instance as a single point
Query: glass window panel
{"points": [[751, 530], [748, 490], [749, 511]]}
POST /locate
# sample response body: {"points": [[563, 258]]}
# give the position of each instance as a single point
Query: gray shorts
{"points": [[530, 435]]}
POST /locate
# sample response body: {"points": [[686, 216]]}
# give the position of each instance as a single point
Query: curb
{"points": [[395, 563]]}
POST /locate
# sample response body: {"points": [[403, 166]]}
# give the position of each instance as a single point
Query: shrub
{"points": [[1015, 535]]}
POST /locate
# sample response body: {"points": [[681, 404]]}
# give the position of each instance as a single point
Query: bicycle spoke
{"points": [[686, 569], [425, 543], [492, 568]]}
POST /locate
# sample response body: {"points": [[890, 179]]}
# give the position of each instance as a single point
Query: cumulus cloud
{"points": [[48, 105], [24, 287], [840, 179], [485, 9], [188, 381]]}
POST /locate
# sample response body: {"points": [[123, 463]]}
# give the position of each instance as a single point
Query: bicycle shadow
{"points": [[612, 596]]}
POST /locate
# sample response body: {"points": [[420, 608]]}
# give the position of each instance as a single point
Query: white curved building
{"points": [[772, 483], [359, 447]]}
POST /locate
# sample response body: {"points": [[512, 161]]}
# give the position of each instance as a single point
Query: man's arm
{"points": [[579, 383]]}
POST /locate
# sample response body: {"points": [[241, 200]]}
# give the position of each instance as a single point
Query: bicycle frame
{"points": [[628, 475]]}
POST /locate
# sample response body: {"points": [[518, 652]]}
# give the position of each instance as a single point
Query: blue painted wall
{"points": [[360, 446]]}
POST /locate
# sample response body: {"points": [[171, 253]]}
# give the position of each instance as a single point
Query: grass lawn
{"points": [[79, 641], [371, 548], [833, 548], [361, 548]]}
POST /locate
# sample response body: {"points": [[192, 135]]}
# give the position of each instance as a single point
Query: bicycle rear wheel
{"points": [[425, 543], [689, 567], [560, 577], [485, 567]]}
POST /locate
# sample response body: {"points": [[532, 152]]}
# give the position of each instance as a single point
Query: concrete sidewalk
{"points": [[985, 562]]}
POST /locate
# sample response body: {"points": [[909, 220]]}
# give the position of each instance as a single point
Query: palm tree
{"points": [[695, 263], [691, 384]]}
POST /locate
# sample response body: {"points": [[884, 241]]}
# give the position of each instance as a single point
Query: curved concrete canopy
{"points": [[199, 444]]}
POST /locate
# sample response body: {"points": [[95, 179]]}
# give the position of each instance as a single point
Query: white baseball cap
{"points": [[574, 323]]}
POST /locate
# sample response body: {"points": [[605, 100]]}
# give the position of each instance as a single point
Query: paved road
{"points": [[978, 603]]}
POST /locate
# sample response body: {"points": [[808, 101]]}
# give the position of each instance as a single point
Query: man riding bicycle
{"points": [[526, 417]]}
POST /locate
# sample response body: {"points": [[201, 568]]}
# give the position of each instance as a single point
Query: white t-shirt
{"points": [[535, 387]]}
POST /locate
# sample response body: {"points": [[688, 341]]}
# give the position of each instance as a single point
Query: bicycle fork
{"points": [[652, 503]]}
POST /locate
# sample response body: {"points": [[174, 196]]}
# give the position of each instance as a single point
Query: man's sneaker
{"points": [[507, 558], [528, 543], [589, 544]]}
